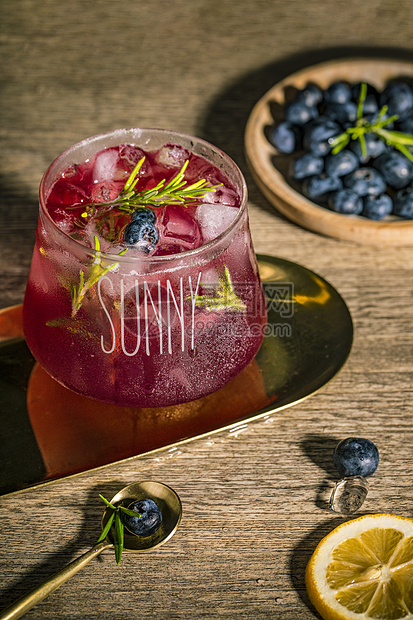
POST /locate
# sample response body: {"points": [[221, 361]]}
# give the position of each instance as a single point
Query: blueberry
{"points": [[356, 457], [298, 113], [345, 201], [365, 181], [139, 231], [403, 203], [144, 214], [318, 135], [371, 102], [318, 186], [149, 520], [285, 137], [371, 92], [341, 163], [396, 168], [370, 105], [375, 146], [377, 207], [306, 165], [406, 125], [344, 113], [399, 99], [338, 92], [311, 94], [374, 118]]}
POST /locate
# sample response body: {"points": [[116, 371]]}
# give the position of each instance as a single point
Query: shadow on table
{"points": [[320, 448], [302, 554], [89, 533], [224, 122]]}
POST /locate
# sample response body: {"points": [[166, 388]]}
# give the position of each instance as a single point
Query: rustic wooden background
{"points": [[254, 502]]}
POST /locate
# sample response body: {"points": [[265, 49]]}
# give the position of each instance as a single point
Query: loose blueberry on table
{"points": [[351, 147], [355, 459]]}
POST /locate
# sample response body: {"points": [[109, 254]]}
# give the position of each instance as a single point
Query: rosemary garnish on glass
{"points": [[176, 191], [226, 297], [95, 272]]}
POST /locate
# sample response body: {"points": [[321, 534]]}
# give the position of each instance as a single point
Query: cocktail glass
{"points": [[144, 330]]}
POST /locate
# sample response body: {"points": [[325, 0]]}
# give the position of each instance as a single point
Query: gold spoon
{"points": [[168, 503]]}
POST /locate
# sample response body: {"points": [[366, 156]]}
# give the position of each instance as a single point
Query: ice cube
{"points": [[348, 495], [129, 156], [201, 169], [222, 196], [179, 227], [106, 191], [64, 220], [213, 219], [67, 194], [172, 156], [70, 172], [105, 167]]}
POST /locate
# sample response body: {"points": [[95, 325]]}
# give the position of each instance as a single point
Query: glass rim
{"points": [[204, 248]]}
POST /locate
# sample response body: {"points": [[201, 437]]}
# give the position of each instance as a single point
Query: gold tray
{"points": [[48, 432]]}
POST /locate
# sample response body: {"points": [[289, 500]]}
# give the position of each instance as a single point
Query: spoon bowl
{"points": [[168, 503]]}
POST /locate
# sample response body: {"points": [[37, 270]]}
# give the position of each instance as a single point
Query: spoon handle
{"points": [[29, 600]]}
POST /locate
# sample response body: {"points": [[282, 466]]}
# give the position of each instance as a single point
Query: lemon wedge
{"points": [[363, 569]]}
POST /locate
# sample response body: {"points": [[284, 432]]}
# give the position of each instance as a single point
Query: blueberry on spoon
{"points": [[147, 520]]}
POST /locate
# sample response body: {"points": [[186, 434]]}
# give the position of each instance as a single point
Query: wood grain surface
{"points": [[254, 502]]}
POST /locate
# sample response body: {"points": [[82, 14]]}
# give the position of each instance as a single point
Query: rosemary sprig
{"points": [[95, 272], [226, 297], [397, 139], [176, 191], [119, 534]]}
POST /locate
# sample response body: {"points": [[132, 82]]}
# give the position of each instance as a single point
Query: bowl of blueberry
{"points": [[331, 147]]}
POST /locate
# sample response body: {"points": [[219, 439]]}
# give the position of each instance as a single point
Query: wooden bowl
{"points": [[262, 156]]}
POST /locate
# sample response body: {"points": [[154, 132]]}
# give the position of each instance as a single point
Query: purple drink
{"points": [[152, 318]]}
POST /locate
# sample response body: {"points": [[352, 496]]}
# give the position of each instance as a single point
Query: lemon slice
{"points": [[363, 569]]}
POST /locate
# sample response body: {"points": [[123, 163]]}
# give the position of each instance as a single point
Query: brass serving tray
{"points": [[48, 432]]}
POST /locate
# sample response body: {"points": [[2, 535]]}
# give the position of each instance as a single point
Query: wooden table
{"points": [[254, 501]]}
